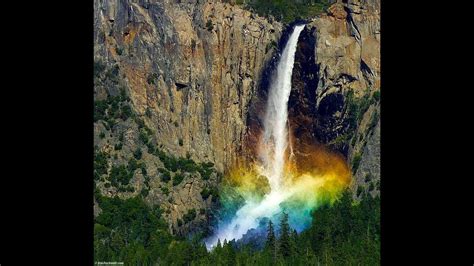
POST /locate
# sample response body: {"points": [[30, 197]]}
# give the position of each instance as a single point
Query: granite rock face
{"points": [[336, 86], [194, 76], [367, 176], [193, 65], [131, 152], [189, 70]]}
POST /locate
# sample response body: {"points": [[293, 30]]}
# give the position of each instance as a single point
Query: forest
{"points": [[345, 232], [285, 10]]}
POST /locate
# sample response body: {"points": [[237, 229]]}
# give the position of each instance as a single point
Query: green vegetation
{"points": [[111, 109], [346, 233], [126, 189], [209, 25], [151, 147], [288, 10], [100, 109], [133, 164], [271, 45], [148, 112], [144, 172], [119, 50], [356, 108], [126, 112], [151, 78], [100, 164], [340, 141], [129, 231], [165, 174], [144, 137], [120, 176], [368, 177], [373, 121], [144, 192], [376, 96], [165, 190], [342, 234], [189, 216], [140, 123], [205, 172], [118, 146], [112, 74], [356, 162], [284, 244], [177, 179], [206, 192], [174, 164], [353, 142], [138, 153], [371, 186]]}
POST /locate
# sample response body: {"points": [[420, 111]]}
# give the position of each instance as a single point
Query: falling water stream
{"points": [[272, 152]]}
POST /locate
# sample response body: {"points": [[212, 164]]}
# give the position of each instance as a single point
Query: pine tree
{"points": [[293, 242], [228, 253], [270, 245], [284, 242]]}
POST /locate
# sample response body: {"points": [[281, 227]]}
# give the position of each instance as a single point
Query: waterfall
{"points": [[276, 135], [272, 151]]}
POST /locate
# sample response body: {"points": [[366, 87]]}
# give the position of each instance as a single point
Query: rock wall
{"points": [[189, 70], [335, 97], [193, 65], [195, 73], [339, 97]]}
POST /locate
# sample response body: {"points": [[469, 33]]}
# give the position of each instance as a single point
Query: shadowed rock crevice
{"points": [[302, 112]]}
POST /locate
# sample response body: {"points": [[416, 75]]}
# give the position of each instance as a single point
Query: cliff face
{"points": [[192, 73], [188, 70], [193, 65], [335, 98]]}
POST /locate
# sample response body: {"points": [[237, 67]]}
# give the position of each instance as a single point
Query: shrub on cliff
{"points": [[376, 96], [288, 10], [177, 179], [151, 78], [356, 162], [137, 154], [120, 176], [206, 192], [189, 216], [165, 175], [209, 25], [100, 164], [356, 108]]}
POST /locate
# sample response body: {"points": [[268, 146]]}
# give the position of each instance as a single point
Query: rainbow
{"points": [[286, 177]]}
